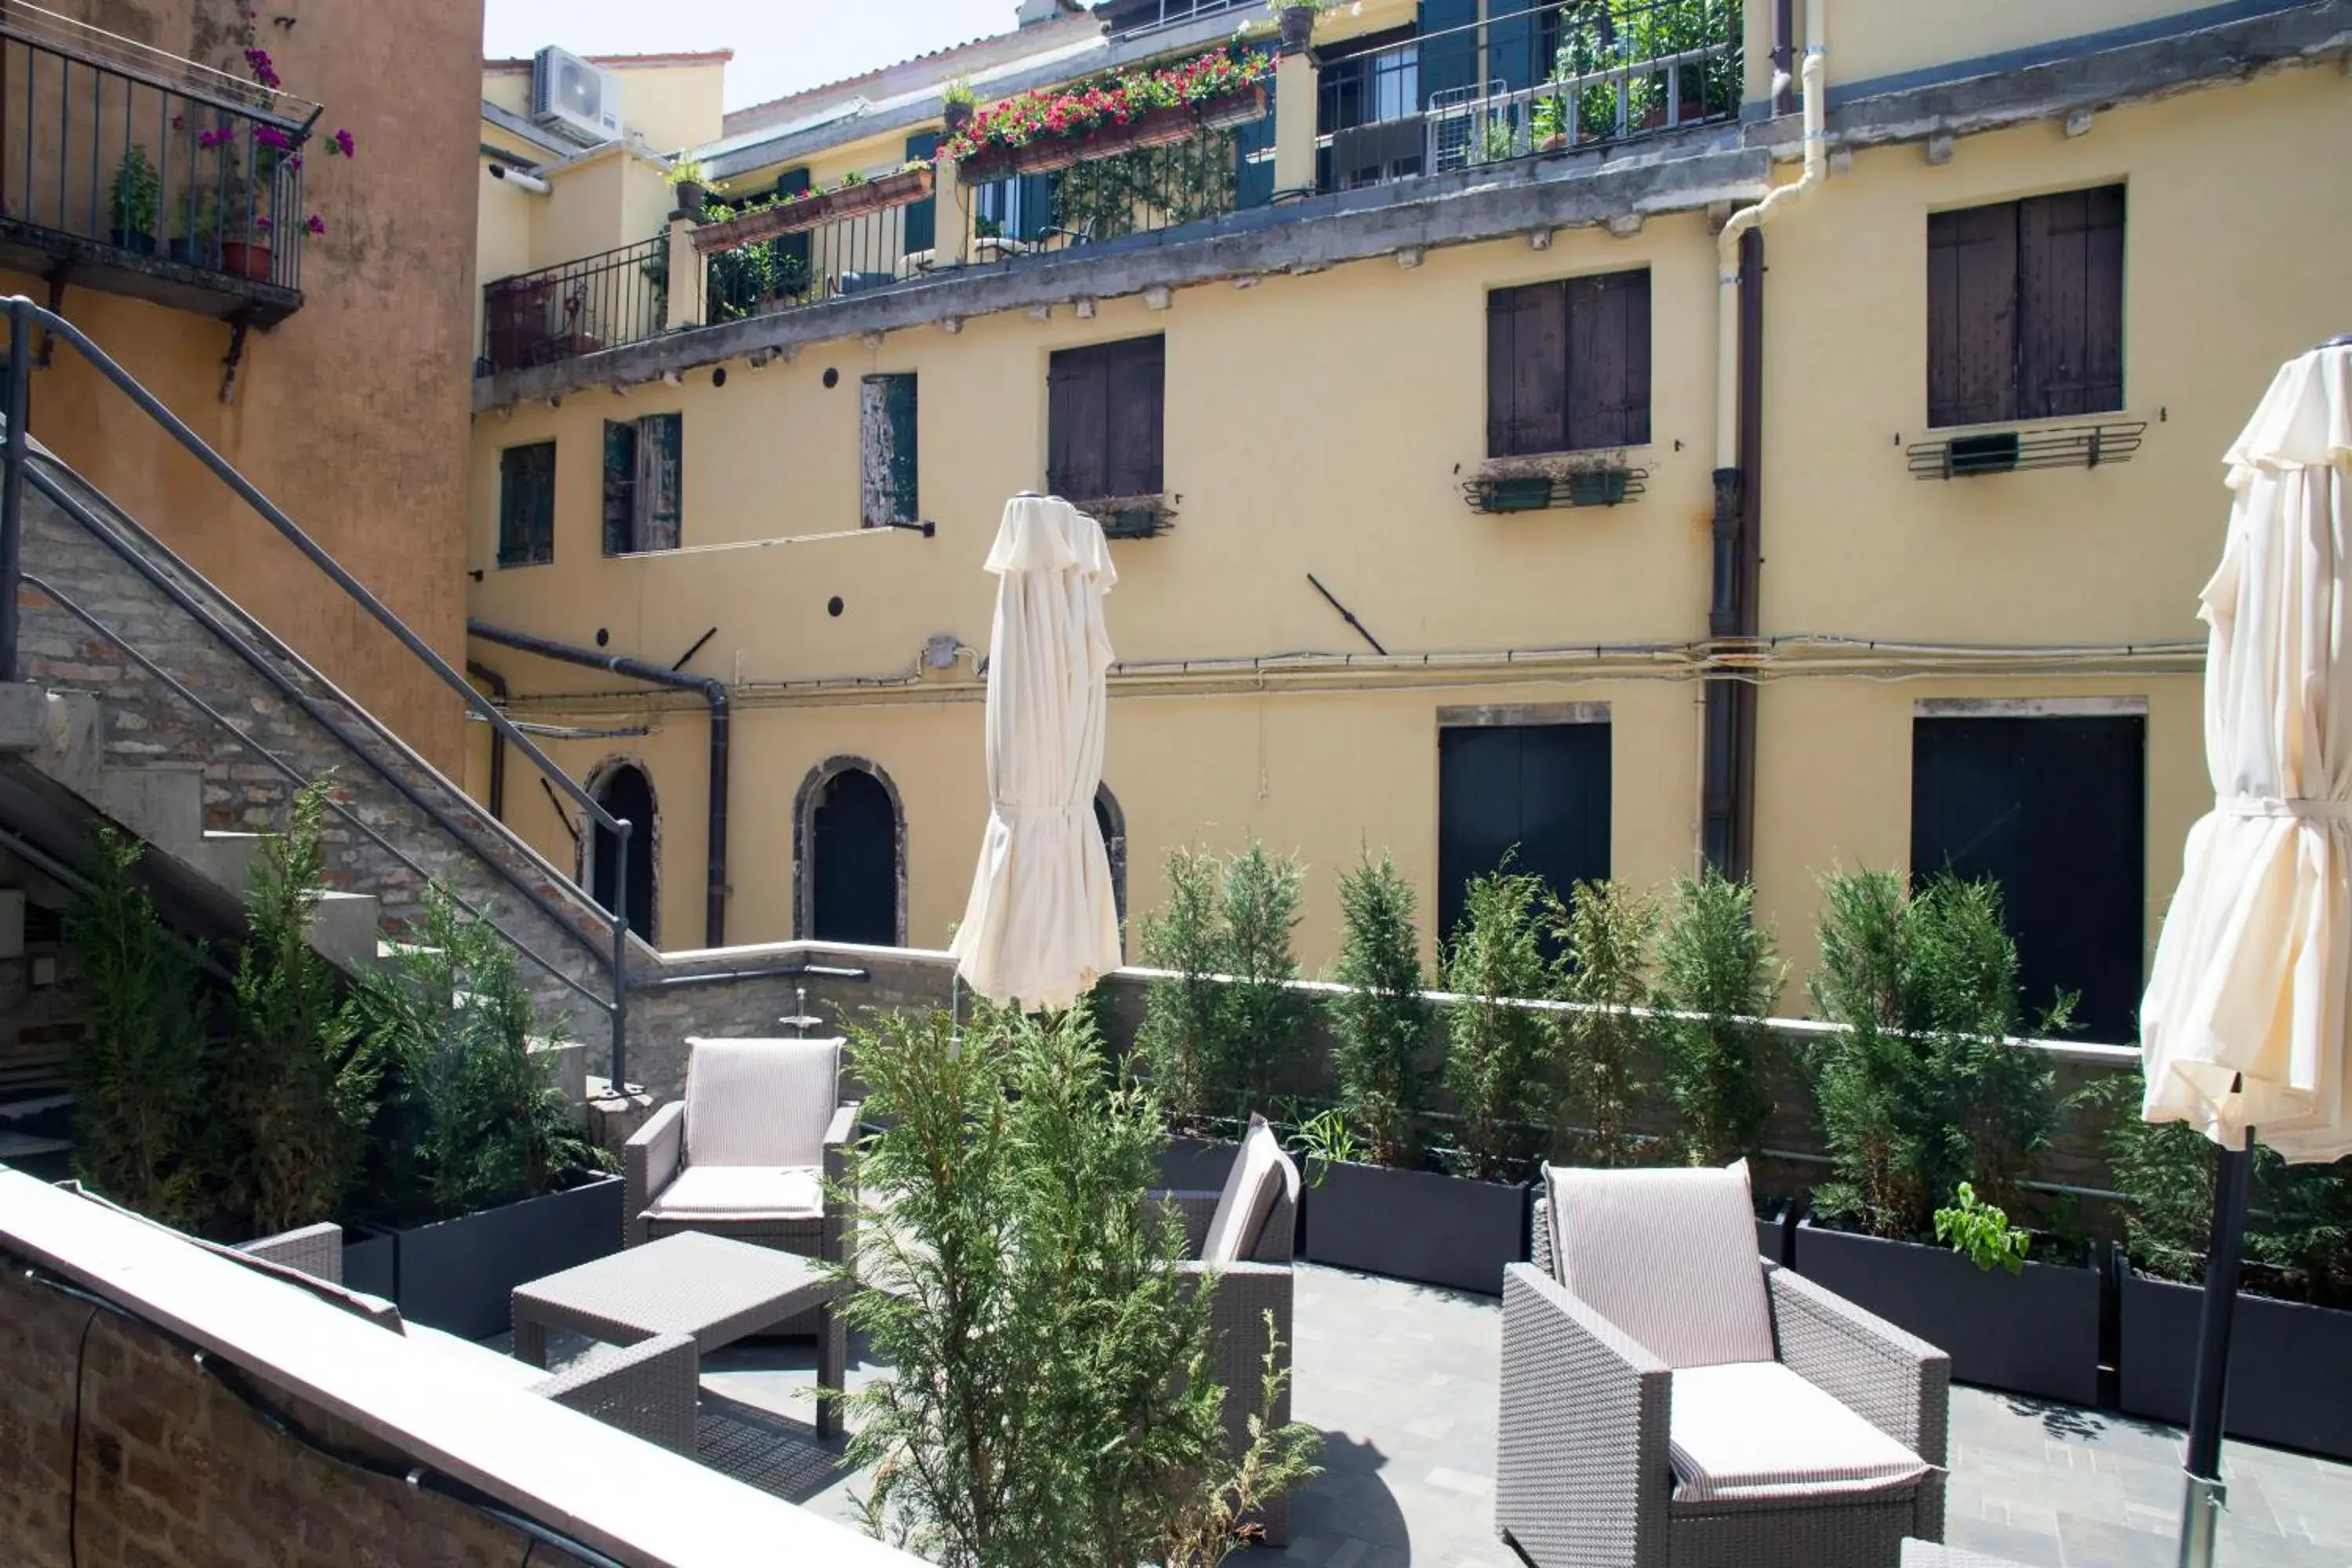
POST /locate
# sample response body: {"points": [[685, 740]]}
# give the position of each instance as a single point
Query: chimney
{"points": [[1035, 11]]}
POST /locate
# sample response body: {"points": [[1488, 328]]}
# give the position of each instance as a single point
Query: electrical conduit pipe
{"points": [[713, 691]]}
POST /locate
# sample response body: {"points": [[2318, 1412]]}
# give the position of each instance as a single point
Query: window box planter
{"points": [[1417, 1225], [1155, 128], [2036, 1333], [898, 188], [245, 259], [459, 1275], [2289, 1364]]}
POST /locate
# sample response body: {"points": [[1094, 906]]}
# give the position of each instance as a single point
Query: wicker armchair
{"points": [[1242, 1238], [1689, 1403], [747, 1154]]}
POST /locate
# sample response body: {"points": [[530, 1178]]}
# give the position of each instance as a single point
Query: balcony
{"points": [[581, 307], [1550, 80], [135, 172]]}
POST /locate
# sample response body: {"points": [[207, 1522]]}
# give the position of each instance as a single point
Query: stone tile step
{"points": [[163, 804], [343, 928], [36, 1105], [227, 859], [25, 1145]]}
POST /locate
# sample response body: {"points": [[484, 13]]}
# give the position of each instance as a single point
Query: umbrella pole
{"points": [[2201, 1520]]}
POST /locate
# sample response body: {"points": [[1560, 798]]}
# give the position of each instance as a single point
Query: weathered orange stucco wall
{"points": [[351, 415]]}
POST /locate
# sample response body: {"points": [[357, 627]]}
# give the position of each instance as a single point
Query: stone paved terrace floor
{"points": [[1401, 1379]]}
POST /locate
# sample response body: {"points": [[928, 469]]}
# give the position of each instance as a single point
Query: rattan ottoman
{"points": [[704, 1287]]}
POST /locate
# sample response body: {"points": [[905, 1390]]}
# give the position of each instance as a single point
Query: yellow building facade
{"points": [[1933, 659]]}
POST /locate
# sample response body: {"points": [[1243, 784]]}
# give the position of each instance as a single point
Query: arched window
{"points": [[1113, 823], [623, 789], [849, 856]]}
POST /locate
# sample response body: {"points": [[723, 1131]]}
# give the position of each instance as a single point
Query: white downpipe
{"points": [[1726, 292]]}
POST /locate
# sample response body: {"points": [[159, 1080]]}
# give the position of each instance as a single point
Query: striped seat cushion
{"points": [[1667, 1255], [760, 1102], [1756, 1430], [1261, 1173]]}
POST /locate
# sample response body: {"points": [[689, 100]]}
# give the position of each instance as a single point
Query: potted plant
{"points": [[960, 104], [132, 196], [1919, 1090], [1297, 21], [1374, 1206], [1055, 128], [688, 186], [2291, 1353], [481, 1179]]}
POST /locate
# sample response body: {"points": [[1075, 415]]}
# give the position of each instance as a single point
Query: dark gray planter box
{"points": [[371, 1261], [2290, 1365], [459, 1275], [1417, 1225], [2035, 1333], [1775, 1234], [1196, 1164]]}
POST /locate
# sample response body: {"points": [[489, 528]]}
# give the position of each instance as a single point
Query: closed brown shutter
{"points": [[1077, 408], [1105, 407], [2069, 258], [1138, 380], [1607, 362], [1526, 371], [1972, 316]]}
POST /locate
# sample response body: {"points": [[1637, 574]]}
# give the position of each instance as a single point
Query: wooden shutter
{"points": [[661, 479], [1450, 63], [2069, 261], [922, 217], [1137, 389], [527, 504], [1077, 408], [794, 251], [1608, 370], [1032, 202], [1526, 371], [620, 486], [886, 427], [1972, 316]]}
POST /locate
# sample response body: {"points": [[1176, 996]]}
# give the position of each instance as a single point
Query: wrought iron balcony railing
{"points": [[576, 308], [134, 171]]}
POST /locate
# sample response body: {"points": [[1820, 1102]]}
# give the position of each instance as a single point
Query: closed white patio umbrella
{"points": [[2244, 1023], [1041, 925]]}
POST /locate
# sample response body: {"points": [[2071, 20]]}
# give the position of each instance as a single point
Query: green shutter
{"points": [[527, 505], [794, 251], [887, 476], [661, 479], [922, 217], [620, 486]]}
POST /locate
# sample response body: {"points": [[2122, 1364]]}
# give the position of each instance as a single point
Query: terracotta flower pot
{"points": [[246, 259]]}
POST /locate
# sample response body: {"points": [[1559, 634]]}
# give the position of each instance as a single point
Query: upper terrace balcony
{"points": [[130, 170]]}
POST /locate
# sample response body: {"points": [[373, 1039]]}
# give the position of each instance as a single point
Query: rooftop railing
{"points": [[1552, 78], [122, 159]]}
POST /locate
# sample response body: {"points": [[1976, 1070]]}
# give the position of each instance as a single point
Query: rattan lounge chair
{"points": [[1670, 1399]]}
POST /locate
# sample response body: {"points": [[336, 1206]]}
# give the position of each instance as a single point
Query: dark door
{"points": [[1113, 823], [854, 882], [2055, 811], [1540, 788], [626, 793]]}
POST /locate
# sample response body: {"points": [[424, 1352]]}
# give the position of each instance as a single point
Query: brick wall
{"points": [[174, 1471]]}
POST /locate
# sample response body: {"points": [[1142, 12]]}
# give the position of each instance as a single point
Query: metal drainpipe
{"points": [[714, 692], [1728, 809], [497, 685]]}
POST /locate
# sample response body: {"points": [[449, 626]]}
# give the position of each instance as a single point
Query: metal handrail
{"points": [[24, 317]]}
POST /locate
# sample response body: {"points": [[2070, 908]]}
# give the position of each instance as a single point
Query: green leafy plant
{"points": [[684, 172], [137, 1070], [1605, 934], [1494, 142], [466, 1118], [1263, 1016], [1981, 1233], [1179, 1040], [1498, 1051], [1050, 1396], [1922, 1085], [2298, 1217], [958, 92], [1324, 1140], [1382, 1020], [1718, 976], [134, 193], [296, 1083]]}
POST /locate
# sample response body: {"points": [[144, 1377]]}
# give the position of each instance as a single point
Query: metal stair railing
{"points": [[25, 316]]}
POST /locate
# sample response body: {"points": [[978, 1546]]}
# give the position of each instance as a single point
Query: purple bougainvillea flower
{"points": [[264, 71], [341, 142], [317, 225]]}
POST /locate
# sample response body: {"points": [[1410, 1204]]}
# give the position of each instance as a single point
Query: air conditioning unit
{"points": [[574, 98]]}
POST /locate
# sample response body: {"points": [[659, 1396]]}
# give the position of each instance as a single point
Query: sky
{"points": [[780, 46]]}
